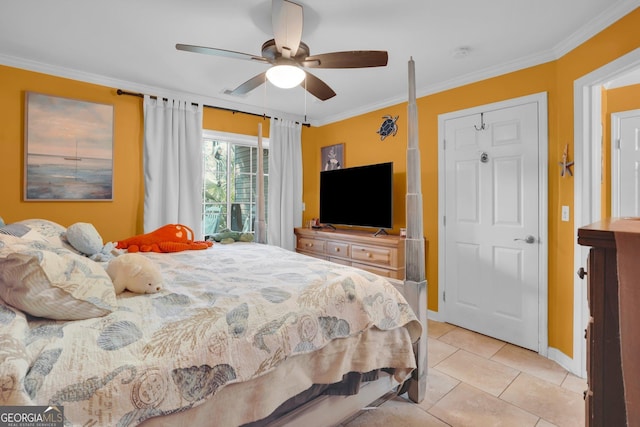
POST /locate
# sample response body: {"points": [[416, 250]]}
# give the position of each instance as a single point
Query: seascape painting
{"points": [[69, 149]]}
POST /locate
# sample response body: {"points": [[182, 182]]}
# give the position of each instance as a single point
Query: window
{"points": [[229, 195]]}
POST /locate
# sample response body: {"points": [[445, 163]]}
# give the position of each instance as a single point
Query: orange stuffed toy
{"points": [[168, 238]]}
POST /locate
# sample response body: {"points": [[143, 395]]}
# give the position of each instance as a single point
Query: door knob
{"points": [[582, 272], [528, 239]]}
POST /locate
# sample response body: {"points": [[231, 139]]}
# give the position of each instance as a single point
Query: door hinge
{"points": [[618, 144], [444, 296], [444, 220]]}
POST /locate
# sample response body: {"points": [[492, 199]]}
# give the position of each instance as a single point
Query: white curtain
{"points": [[285, 183], [172, 164]]}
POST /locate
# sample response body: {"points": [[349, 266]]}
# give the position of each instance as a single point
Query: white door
{"points": [[625, 163], [491, 227]]}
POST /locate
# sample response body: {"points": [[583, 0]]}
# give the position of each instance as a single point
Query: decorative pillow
{"points": [[21, 230], [51, 282], [84, 237], [17, 230], [50, 231]]}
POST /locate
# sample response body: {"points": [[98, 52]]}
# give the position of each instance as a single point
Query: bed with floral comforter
{"points": [[228, 315]]}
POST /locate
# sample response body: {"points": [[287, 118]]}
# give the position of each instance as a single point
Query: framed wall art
{"points": [[332, 157], [68, 149]]}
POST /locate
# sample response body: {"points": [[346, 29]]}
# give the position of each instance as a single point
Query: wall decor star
{"points": [[565, 164]]}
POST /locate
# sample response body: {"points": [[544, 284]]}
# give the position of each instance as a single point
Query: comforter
{"points": [[228, 314]]}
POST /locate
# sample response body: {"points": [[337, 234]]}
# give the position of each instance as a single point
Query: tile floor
{"points": [[478, 381]]}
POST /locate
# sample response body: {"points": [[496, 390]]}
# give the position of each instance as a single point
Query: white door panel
{"points": [[626, 163], [508, 197], [491, 198], [467, 201]]}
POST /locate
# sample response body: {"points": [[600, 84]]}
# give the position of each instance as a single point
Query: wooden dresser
{"points": [[604, 398], [382, 254]]}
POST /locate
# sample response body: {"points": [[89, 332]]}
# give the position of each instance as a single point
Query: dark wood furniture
{"points": [[604, 397], [382, 254]]}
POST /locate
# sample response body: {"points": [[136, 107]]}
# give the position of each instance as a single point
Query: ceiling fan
{"points": [[288, 55]]}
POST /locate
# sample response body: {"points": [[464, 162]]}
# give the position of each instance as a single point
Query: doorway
{"points": [[587, 177], [493, 204]]}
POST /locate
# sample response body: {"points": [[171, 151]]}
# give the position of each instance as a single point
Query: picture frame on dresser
{"points": [[68, 149]]}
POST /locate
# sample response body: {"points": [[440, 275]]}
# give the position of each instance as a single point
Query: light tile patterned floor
{"points": [[478, 381]]}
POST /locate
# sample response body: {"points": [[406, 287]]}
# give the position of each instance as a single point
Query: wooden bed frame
{"points": [[330, 410]]}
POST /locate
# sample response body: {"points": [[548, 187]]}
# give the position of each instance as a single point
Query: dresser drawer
{"points": [[311, 245], [382, 256], [375, 270], [339, 261], [338, 249]]}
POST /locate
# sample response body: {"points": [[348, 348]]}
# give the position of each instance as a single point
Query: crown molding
{"points": [[590, 29], [129, 86], [476, 76], [595, 26]]}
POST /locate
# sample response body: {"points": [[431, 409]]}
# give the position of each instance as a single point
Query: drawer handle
{"points": [[309, 245], [368, 253], [337, 249]]}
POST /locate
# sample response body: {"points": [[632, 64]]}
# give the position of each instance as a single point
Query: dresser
{"points": [[382, 254], [604, 398]]}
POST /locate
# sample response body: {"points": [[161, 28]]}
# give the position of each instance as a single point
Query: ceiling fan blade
{"points": [[249, 85], [220, 52], [347, 59], [286, 19], [317, 87]]}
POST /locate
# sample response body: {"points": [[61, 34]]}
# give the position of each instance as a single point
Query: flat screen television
{"points": [[358, 196]]}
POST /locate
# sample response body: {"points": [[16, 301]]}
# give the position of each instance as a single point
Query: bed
{"points": [[218, 334], [242, 334]]}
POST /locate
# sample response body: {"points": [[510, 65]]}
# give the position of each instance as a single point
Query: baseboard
{"points": [[435, 315], [565, 361]]}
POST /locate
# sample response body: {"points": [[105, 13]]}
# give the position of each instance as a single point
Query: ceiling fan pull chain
{"points": [[305, 99], [264, 101]]}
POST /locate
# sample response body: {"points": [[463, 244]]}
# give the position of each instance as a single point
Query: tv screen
{"points": [[358, 196]]}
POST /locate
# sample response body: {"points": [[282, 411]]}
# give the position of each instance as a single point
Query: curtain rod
{"points": [[264, 116]]}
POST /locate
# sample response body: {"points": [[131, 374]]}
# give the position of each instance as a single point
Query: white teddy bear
{"points": [[134, 272]]}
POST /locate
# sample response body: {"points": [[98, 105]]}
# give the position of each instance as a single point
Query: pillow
{"points": [[17, 230], [85, 238], [21, 230], [52, 282], [50, 231]]}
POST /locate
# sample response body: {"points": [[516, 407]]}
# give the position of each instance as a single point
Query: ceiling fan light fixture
{"points": [[285, 76]]}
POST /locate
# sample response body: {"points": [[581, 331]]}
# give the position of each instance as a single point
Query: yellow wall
{"points": [[556, 78], [115, 219], [623, 99], [123, 217]]}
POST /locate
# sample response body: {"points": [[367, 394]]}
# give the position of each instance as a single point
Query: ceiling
{"points": [[131, 45]]}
